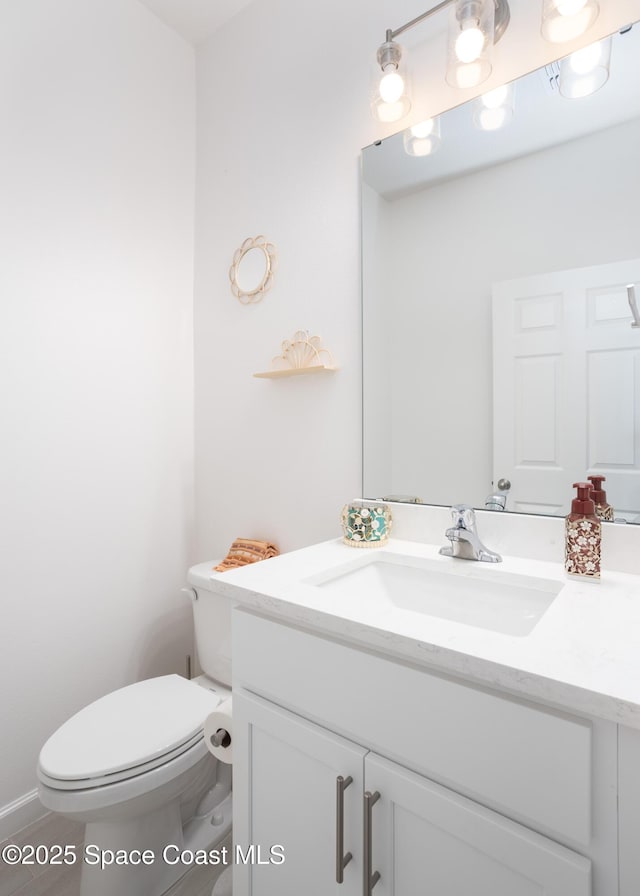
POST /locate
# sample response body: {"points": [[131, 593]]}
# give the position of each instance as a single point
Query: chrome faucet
{"points": [[498, 500], [464, 539]]}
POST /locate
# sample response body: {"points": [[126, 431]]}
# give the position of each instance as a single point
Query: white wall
{"points": [[97, 163], [283, 112], [537, 214]]}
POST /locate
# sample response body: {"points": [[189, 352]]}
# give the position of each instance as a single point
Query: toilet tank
{"points": [[212, 623]]}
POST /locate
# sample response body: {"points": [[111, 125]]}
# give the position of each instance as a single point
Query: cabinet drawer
{"points": [[527, 762]]}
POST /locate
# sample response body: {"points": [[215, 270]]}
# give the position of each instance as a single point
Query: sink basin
{"points": [[458, 590]]}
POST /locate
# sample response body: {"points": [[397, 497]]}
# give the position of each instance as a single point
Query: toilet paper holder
{"points": [[218, 732], [221, 738]]}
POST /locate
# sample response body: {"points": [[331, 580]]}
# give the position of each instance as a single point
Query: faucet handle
{"points": [[463, 517]]}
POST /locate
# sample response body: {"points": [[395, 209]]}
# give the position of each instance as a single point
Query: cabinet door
{"points": [[286, 794], [427, 839]]}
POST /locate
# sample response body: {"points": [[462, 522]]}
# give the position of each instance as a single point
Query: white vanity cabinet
{"points": [[479, 793], [399, 830]]}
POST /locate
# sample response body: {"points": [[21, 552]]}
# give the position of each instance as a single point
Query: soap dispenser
{"points": [[583, 535], [599, 497]]}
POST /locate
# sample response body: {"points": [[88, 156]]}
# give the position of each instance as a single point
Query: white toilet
{"points": [[135, 768]]}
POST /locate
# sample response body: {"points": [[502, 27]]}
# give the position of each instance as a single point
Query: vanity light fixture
{"points": [[422, 139], [475, 26], [585, 71], [493, 110], [564, 20]]}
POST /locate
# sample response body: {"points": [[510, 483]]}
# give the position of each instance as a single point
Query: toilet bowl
{"points": [[134, 767]]}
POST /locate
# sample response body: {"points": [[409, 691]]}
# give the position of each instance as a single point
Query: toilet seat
{"points": [[127, 733], [121, 775]]}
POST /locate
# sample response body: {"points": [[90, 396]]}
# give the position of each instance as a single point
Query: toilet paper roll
{"points": [[218, 732]]}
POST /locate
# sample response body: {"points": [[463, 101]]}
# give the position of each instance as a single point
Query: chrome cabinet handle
{"points": [[370, 878], [342, 860]]}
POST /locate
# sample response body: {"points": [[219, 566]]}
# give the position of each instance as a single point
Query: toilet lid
{"points": [[128, 728]]}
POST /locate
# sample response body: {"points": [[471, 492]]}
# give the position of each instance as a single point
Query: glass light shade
{"points": [[390, 89], [586, 70], [564, 20], [391, 86], [471, 28], [422, 139], [389, 112], [492, 119], [493, 110]]}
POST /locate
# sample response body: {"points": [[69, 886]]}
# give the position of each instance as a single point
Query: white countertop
{"points": [[582, 655]]}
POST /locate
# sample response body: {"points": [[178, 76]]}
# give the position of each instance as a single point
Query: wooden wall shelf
{"points": [[301, 355]]}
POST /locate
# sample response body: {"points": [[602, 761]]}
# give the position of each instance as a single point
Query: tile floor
{"points": [[34, 880]]}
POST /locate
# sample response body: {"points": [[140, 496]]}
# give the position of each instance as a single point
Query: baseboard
{"points": [[20, 813]]}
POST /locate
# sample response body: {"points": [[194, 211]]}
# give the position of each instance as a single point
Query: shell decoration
{"points": [[302, 351]]}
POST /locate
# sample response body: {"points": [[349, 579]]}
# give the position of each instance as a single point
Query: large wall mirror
{"points": [[499, 353]]}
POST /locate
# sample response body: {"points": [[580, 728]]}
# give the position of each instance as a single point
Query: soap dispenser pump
{"points": [[583, 535], [603, 509]]}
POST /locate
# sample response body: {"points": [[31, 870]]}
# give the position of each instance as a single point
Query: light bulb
{"points": [[494, 109], [564, 20], [423, 138], [470, 40], [585, 60], [423, 129], [570, 7], [586, 70], [389, 97], [470, 43], [422, 148], [391, 86], [495, 98], [493, 119]]}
